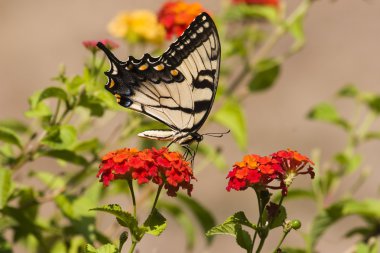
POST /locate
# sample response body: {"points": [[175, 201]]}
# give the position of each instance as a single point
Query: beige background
{"points": [[342, 46]]}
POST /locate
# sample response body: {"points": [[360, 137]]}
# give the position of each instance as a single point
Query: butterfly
{"points": [[177, 88]]}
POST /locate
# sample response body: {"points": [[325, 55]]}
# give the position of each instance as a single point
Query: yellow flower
{"points": [[137, 26]]}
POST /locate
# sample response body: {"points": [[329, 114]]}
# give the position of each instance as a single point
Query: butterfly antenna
{"points": [[218, 135]]}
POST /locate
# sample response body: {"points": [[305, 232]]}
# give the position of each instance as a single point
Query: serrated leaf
{"points": [[108, 248], [265, 74], [243, 238], [155, 224], [327, 113], [8, 136], [231, 115], [183, 220], [50, 92], [5, 186], [66, 155], [124, 218], [223, 229], [349, 90], [231, 224], [203, 216]]}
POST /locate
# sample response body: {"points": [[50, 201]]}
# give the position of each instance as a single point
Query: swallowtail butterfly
{"points": [[177, 88]]}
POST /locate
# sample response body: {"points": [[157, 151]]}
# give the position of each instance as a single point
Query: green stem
{"points": [[156, 198], [130, 184], [259, 224], [281, 241], [133, 246]]}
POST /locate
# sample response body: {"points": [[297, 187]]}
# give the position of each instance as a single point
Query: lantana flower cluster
{"points": [[276, 171], [176, 16], [161, 167], [137, 26]]}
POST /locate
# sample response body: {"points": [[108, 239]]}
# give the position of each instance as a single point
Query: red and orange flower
{"points": [[176, 16], [274, 3], [256, 170], [161, 166]]}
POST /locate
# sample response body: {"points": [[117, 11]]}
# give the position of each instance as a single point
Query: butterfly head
{"points": [[120, 79]]}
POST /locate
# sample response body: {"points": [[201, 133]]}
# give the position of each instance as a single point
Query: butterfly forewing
{"points": [[177, 88]]}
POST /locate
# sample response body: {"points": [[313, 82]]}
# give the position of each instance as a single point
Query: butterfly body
{"points": [[177, 88]]}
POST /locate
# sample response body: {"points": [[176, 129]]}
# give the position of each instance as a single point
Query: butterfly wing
{"points": [[177, 88]]}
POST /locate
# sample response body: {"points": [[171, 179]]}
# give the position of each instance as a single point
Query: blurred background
{"points": [[342, 47]]}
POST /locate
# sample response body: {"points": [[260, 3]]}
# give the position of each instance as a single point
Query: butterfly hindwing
{"points": [[178, 88]]}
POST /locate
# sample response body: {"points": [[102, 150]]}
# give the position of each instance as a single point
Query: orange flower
{"points": [[161, 166], [176, 16], [256, 170]]}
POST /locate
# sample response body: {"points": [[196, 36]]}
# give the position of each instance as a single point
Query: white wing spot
{"points": [[200, 30], [193, 36], [206, 24]]}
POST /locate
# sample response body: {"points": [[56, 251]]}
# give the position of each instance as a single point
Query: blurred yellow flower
{"points": [[137, 26]]}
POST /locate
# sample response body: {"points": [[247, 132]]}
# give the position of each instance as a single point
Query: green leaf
{"points": [[349, 90], [65, 206], [14, 125], [37, 108], [93, 104], [349, 162], [229, 225], [51, 180], [8, 136], [155, 224], [5, 246], [243, 11], [108, 248], [243, 238], [366, 208], [74, 84], [323, 221], [66, 155], [372, 135], [125, 219], [265, 74], [183, 220], [372, 101], [52, 92], [224, 229], [5, 186], [122, 239], [88, 145], [369, 247], [327, 113], [203, 216], [231, 115], [60, 137], [58, 247], [297, 31], [278, 218]]}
